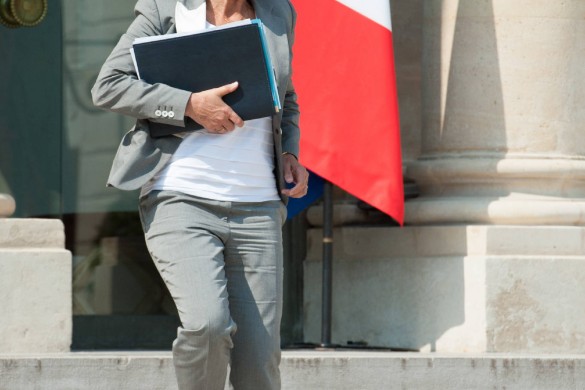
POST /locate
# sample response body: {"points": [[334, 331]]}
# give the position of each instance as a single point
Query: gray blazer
{"points": [[140, 157]]}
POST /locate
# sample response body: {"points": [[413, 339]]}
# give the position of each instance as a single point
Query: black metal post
{"points": [[326, 302]]}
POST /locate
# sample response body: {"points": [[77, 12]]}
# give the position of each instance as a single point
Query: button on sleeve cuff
{"points": [[171, 111]]}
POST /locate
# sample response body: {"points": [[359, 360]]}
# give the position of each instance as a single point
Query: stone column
{"points": [[503, 94], [492, 255], [503, 147]]}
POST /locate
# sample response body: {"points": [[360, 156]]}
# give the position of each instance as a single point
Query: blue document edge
{"points": [[271, 76], [297, 205]]}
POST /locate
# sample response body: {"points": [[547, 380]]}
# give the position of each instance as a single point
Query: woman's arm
{"points": [[118, 88], [290, 109], [290, 122], [294, 172]]}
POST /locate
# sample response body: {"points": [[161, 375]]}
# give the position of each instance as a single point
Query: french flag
{"points": [[343, 72]]}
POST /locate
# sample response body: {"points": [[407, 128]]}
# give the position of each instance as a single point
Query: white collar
{"points": [[187, 20]]}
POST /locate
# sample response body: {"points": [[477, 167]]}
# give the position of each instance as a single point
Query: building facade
{"points": [[491, 256]]}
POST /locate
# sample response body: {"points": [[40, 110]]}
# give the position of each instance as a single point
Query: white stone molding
{"points": [[506, 190]]}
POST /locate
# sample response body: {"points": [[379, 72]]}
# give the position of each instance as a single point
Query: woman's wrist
{"points": [[190, 109]]}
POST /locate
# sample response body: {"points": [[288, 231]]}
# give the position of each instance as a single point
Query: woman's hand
{"points": [[209, 110], [295, 173]]}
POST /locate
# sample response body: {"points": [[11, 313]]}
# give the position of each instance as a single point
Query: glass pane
{"points": [[91, 136], [30, 116], [113, 274]]}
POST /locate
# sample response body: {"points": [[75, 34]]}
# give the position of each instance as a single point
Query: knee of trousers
{"points": [[214, 331]]}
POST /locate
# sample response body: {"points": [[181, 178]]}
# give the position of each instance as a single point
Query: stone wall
{"points": [[35, 287]]}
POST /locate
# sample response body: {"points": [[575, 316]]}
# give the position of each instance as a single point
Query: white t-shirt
{"points": [[236, 166]]}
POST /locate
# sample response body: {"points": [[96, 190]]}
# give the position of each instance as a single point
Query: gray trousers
{"points": [[222, 263]]}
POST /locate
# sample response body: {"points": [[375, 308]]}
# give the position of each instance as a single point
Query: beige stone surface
{"points": [[305, 370], [343, 214], [35, 287], [35, 295], [534, 304], [501, 99], [453, 288], [32, 233], [407, 24]]}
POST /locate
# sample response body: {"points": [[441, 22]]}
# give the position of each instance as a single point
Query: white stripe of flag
{"points": [[376, 10]]}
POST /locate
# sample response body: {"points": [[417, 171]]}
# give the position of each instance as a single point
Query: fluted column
{"points": [[503, 114], [7, 205]]}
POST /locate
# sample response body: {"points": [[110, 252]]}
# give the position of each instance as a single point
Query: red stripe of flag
{"points": [[344, 76]]}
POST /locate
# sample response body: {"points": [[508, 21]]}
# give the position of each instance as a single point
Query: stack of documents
{"points": [[209, 59]]}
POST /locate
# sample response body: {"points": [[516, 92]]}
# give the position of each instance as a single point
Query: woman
{"points": [[212, 201]]}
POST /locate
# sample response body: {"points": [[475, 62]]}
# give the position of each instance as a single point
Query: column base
{"points": [[512, 210], [498, 189], [453, 288]]}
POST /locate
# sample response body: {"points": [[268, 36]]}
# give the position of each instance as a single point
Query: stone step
{"points": [[303, 369]]}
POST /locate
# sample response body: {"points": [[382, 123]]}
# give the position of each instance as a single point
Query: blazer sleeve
{"points": [[290, 110], [118, 88]]}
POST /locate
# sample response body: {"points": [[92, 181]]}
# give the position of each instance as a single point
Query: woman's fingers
{"points": [[209, 110], [295, 173], [235, 119], [225, 89], [228, 121]]}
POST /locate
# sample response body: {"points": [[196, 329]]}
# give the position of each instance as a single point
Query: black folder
{"points": [[210, 59]]}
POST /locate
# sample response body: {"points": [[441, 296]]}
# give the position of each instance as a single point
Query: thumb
{"points": [[228, 88]]}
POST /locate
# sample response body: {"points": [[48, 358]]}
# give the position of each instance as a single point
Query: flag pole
{"points": [[326, 294]]}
